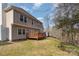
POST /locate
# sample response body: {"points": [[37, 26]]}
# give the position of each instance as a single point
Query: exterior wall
{"points": [[4, 5], [3, 29], [0, 34], [9, 22], [16, 36], [0, 14], [17, 19], [15, 33], [0, 20], [35, 24]]}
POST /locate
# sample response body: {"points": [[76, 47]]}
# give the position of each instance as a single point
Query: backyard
{"points": [[45, 47]]}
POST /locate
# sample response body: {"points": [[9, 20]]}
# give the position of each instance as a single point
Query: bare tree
{"points": [[46, 20]]}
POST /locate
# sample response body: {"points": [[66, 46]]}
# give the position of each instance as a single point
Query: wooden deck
{"points": [[36, 35]]}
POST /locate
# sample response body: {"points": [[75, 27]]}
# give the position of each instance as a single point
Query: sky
{"points": [[40, 11]]}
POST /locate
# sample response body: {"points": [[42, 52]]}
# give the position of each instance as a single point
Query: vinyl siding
{"points": [[9, 22]]}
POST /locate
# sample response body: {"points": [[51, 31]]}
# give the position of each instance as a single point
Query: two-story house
{"points": [[19, 22]]}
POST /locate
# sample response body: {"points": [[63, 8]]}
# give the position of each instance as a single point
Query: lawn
{"points": [[45, 47]]}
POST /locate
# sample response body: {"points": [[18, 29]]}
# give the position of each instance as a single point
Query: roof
{"points": [[21, 10]]}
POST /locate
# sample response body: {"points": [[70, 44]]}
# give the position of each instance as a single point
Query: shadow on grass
{"points": [[37, 39], [5, 43], [20, 40]]}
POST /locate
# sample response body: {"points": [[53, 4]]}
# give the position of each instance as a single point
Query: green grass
{"points": [[71, 48], [45, 47]]}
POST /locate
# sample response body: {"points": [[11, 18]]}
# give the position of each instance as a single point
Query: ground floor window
{"points": [[21, 31]]}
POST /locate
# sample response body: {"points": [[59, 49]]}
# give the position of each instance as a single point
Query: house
{"points": [[19, 23]]}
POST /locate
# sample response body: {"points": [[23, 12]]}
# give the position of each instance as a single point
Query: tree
{"points": [[47, 24], [66, 16]]}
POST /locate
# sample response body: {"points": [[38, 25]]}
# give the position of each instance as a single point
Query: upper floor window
{"points": [[32, 22], [21, 18], [25, 20]]}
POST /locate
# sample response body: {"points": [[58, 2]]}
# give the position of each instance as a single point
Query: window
{"points": [[21, 18], [19, 31], [23, 31], [32, 22], [25, 20]]}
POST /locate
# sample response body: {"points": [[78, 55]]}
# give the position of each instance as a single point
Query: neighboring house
{"points": [[2, 21], [19, 23]]}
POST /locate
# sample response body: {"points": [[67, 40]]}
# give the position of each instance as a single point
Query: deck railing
{"points": [[36, 35]]}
